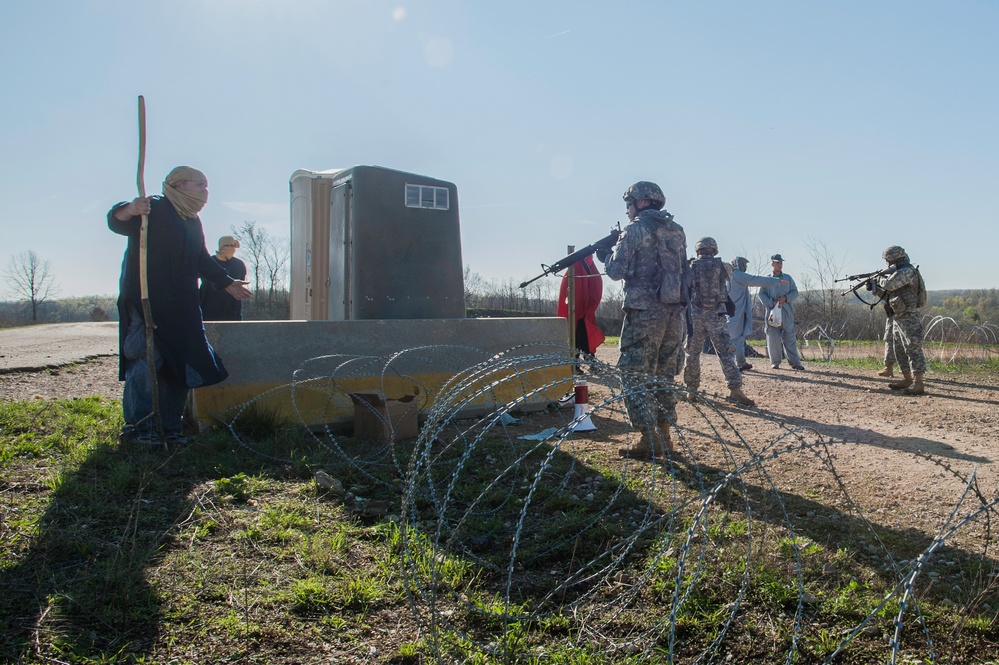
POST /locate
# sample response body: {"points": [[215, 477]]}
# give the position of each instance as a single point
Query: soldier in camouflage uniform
{"points": [[708, 296], [651, 258], [906, 294]]}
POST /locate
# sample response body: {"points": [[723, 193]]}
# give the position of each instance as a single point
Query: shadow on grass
{"points": [[574, 545], [76, 583]]}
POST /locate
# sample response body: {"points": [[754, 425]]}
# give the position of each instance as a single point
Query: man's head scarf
{"points": [[188, 204], [228, 240]]}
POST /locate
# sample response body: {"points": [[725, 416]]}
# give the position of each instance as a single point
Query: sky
{"points": [[814, 129]]}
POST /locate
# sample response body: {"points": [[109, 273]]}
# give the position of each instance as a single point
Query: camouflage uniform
{"points": [[652, 333], [889, 343], [902, 289], [708, 294]]}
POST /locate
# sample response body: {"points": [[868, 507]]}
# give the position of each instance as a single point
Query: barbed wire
{"points": [[552, 525]]}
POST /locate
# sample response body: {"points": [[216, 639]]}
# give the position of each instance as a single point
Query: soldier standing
{"points": [[651, 258], [906, 294], [708, 297]]}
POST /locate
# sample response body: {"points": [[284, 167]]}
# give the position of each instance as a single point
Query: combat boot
{"points": [[663, 426], [888, 371], [917, 385], [736, 395], [644, 449], [904, 383]]}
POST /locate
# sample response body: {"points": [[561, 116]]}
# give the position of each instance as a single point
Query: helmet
{"points": [[646, 190], [707, 242], [894, 253], [740, 263]]}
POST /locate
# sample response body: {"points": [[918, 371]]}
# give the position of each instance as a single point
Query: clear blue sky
{"points": [[770, 125]]}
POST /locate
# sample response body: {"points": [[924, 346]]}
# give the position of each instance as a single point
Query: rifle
{"points": [[578, 255], [865, 279]]}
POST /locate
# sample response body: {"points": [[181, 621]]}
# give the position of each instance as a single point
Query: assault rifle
{"points": [[865, 279], [578, 255]]}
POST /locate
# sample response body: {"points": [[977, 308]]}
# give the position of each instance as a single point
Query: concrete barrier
{"points": [[306, 370]]}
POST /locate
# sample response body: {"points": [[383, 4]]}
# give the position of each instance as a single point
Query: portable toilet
{"points": [[369, 242]]}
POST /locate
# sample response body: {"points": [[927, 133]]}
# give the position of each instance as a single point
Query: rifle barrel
{"points": [[578, 255]]}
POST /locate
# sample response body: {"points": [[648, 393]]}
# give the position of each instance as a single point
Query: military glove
{"points": [[603, 255]]}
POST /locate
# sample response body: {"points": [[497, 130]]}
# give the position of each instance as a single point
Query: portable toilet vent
{"points": [[372, 243]]}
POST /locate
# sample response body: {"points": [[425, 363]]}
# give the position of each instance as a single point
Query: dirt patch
{"points": [[904, 461], [98, 376]]}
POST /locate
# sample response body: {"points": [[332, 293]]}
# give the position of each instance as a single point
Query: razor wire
{"points": [[946, 340], [654, 519]]}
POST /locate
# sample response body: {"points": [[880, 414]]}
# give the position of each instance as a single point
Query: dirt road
{"points": [[53, 345]]}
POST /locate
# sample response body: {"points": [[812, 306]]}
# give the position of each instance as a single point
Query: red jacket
{"points": [[589, 289]]}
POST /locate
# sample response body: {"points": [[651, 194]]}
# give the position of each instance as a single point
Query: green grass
{"points": [[212, 553]]}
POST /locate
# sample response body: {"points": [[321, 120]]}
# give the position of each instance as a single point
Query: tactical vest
{"points": [[707, 282], [912, 295]]}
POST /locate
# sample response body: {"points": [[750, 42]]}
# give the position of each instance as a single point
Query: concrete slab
{"points": [[306, 370]]}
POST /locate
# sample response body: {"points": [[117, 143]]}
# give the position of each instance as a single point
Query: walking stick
{"points": [[571, 298], [147, 310]]}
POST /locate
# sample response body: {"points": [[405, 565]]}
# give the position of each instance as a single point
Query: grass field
{"points": [[219, 552]]}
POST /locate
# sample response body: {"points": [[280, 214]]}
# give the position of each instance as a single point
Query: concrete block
{"points": [[306, 370]]}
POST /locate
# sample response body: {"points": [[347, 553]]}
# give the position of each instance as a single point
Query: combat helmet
{"points": [[707, 242], [646, 190], [894, 253]]}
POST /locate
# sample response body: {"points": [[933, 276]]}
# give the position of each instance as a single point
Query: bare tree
{"points": [[475, 287], [828, 308], [253, 240], [275, 258], [30, 280]]}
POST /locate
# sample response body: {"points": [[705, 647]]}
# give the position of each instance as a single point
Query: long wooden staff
{"points": [[147, 310], [571, 299]]}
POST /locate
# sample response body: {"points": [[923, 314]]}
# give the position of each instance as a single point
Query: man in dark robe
{"points": [[216, 303], [176, 257]]}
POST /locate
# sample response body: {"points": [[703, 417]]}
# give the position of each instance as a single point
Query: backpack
{"points": [[672, 289], [707, 290]]}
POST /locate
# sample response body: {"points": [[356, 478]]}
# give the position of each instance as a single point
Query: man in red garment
{"points": [[589, 288]]}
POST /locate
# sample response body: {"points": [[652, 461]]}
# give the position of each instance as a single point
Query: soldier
{"points": [[651, 258], [906, 294], [708, 297], [740, 323]]}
